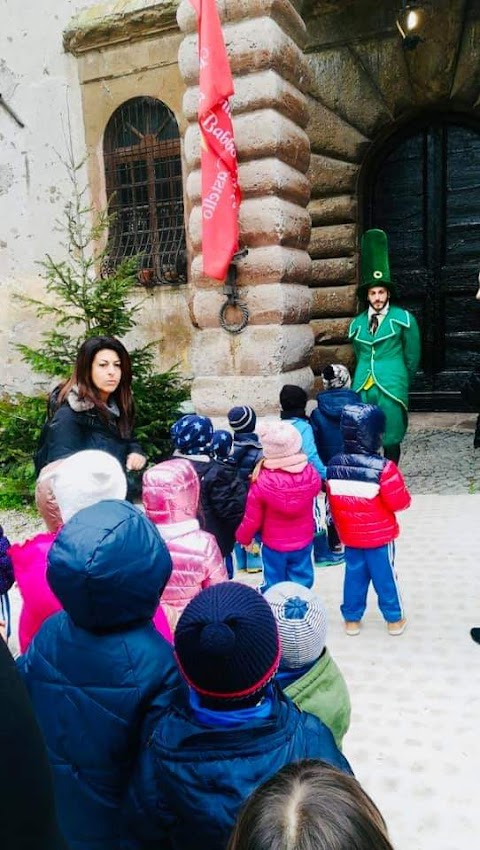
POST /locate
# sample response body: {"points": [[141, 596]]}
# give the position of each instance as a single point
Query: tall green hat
{"points": [[375, 267]]}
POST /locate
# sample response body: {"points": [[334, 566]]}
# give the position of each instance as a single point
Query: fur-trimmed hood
{"points": [[81, 405]]}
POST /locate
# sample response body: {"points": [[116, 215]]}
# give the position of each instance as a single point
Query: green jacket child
{"points": [[308, 673], [386, 343]]}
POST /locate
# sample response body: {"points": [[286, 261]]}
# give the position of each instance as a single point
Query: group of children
{"points": [[160, 745]]}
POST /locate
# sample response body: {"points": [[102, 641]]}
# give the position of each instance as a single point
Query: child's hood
{"points": [[171, 491], [332, 402], [108, 567]]}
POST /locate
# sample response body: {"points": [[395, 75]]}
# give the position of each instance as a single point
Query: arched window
{"points": [[144, 188]]}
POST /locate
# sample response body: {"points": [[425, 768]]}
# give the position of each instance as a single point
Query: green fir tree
{"points": [[83, 300]]}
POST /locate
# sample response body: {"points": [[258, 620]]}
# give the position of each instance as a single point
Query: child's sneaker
{"points": [[323, 555], [333, 559], [352, 628], [397, 628]]}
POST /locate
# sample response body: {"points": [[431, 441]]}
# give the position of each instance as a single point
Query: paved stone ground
{"points": [[413, 740]]}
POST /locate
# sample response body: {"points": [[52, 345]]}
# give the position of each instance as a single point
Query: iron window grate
{"points": [[143, 173]]}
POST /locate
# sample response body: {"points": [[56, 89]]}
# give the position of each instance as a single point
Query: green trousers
{"points": [[395, 414]]}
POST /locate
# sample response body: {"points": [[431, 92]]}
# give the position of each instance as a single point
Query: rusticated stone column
{"points": [[270, 113]]}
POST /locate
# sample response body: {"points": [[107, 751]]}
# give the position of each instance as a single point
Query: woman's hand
{"points": [[135, 461]]}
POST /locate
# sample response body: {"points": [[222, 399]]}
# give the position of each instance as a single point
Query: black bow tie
{"points": [[373, 324]]}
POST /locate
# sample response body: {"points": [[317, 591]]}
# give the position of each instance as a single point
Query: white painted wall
{"points": [[40, 82]]}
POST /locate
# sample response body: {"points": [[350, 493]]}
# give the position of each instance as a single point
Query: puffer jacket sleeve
{"points": [[146, 817], [253, 518], [216, 570], [393, 490], [321, 744], [310, 449]]}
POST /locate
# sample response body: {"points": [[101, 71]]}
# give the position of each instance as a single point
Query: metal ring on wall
{"points": [[234, 327]]}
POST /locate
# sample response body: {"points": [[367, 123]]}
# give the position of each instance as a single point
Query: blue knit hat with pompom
{"points": [[227, 643]]}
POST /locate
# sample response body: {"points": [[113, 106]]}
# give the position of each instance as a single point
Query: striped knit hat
{"points": [[302, 623], [227, 645], [242, 419]]}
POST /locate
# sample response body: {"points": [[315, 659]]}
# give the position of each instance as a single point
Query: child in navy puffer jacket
{"points": [[207, 753], [95, 670], [365, 490], [325, 418], [280, 506]]}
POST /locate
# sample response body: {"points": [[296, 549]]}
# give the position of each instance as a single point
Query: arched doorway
{"points": [[423, 188]]}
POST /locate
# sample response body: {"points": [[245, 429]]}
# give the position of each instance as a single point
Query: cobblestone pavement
{"points": [[413, 740]]}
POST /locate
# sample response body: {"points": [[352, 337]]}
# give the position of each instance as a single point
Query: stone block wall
{"points": [[264, 40]]}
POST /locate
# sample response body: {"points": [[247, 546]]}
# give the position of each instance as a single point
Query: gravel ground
{"points": [[440, 462]]}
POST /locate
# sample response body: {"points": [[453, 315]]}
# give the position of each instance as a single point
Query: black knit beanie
{"points": [[293, 401], [227, 645]]}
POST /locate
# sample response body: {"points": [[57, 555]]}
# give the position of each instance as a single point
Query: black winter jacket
{"points": [[76, 426]]}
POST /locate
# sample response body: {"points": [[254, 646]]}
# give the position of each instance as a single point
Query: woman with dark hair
{"points": [[93, 409], [310, 805]]}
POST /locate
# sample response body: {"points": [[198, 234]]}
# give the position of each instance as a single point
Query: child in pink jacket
{"points": [[280, 506], [80, 480], [171, 492]]}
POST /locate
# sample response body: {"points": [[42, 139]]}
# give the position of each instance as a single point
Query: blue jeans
{"points": [[371, 565], [287, 566]]}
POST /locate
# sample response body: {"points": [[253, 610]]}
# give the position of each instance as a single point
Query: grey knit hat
{"points": [[302, 623], [336, 376]]}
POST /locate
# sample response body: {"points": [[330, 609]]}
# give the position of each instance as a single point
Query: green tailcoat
{"points": [[391, 356]]}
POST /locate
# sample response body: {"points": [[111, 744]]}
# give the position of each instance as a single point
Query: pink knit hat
{"points": [[279, 439]]}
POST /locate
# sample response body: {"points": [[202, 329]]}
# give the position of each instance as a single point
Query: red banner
{"points": [[220, 191]]}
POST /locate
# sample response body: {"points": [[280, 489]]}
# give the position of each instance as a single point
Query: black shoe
{"points": [[475, 633]]}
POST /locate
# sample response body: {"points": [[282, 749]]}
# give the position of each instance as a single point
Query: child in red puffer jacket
{"points": [[280, 506]]}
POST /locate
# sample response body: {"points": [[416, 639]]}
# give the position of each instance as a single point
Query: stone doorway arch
{"points": [[363, 86]]}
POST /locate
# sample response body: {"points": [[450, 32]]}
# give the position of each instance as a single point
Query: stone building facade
{"points": [[325, 97]]}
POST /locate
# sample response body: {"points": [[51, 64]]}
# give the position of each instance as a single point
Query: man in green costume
{"points": [[386, 342]]}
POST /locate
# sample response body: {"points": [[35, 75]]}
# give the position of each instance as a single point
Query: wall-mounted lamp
{"points": [[411, 20]]}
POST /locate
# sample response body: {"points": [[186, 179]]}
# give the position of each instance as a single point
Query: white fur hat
{"points": [[85, 478]]}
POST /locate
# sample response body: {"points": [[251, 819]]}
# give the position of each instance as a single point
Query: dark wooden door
{"points": [[424, 191]]}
